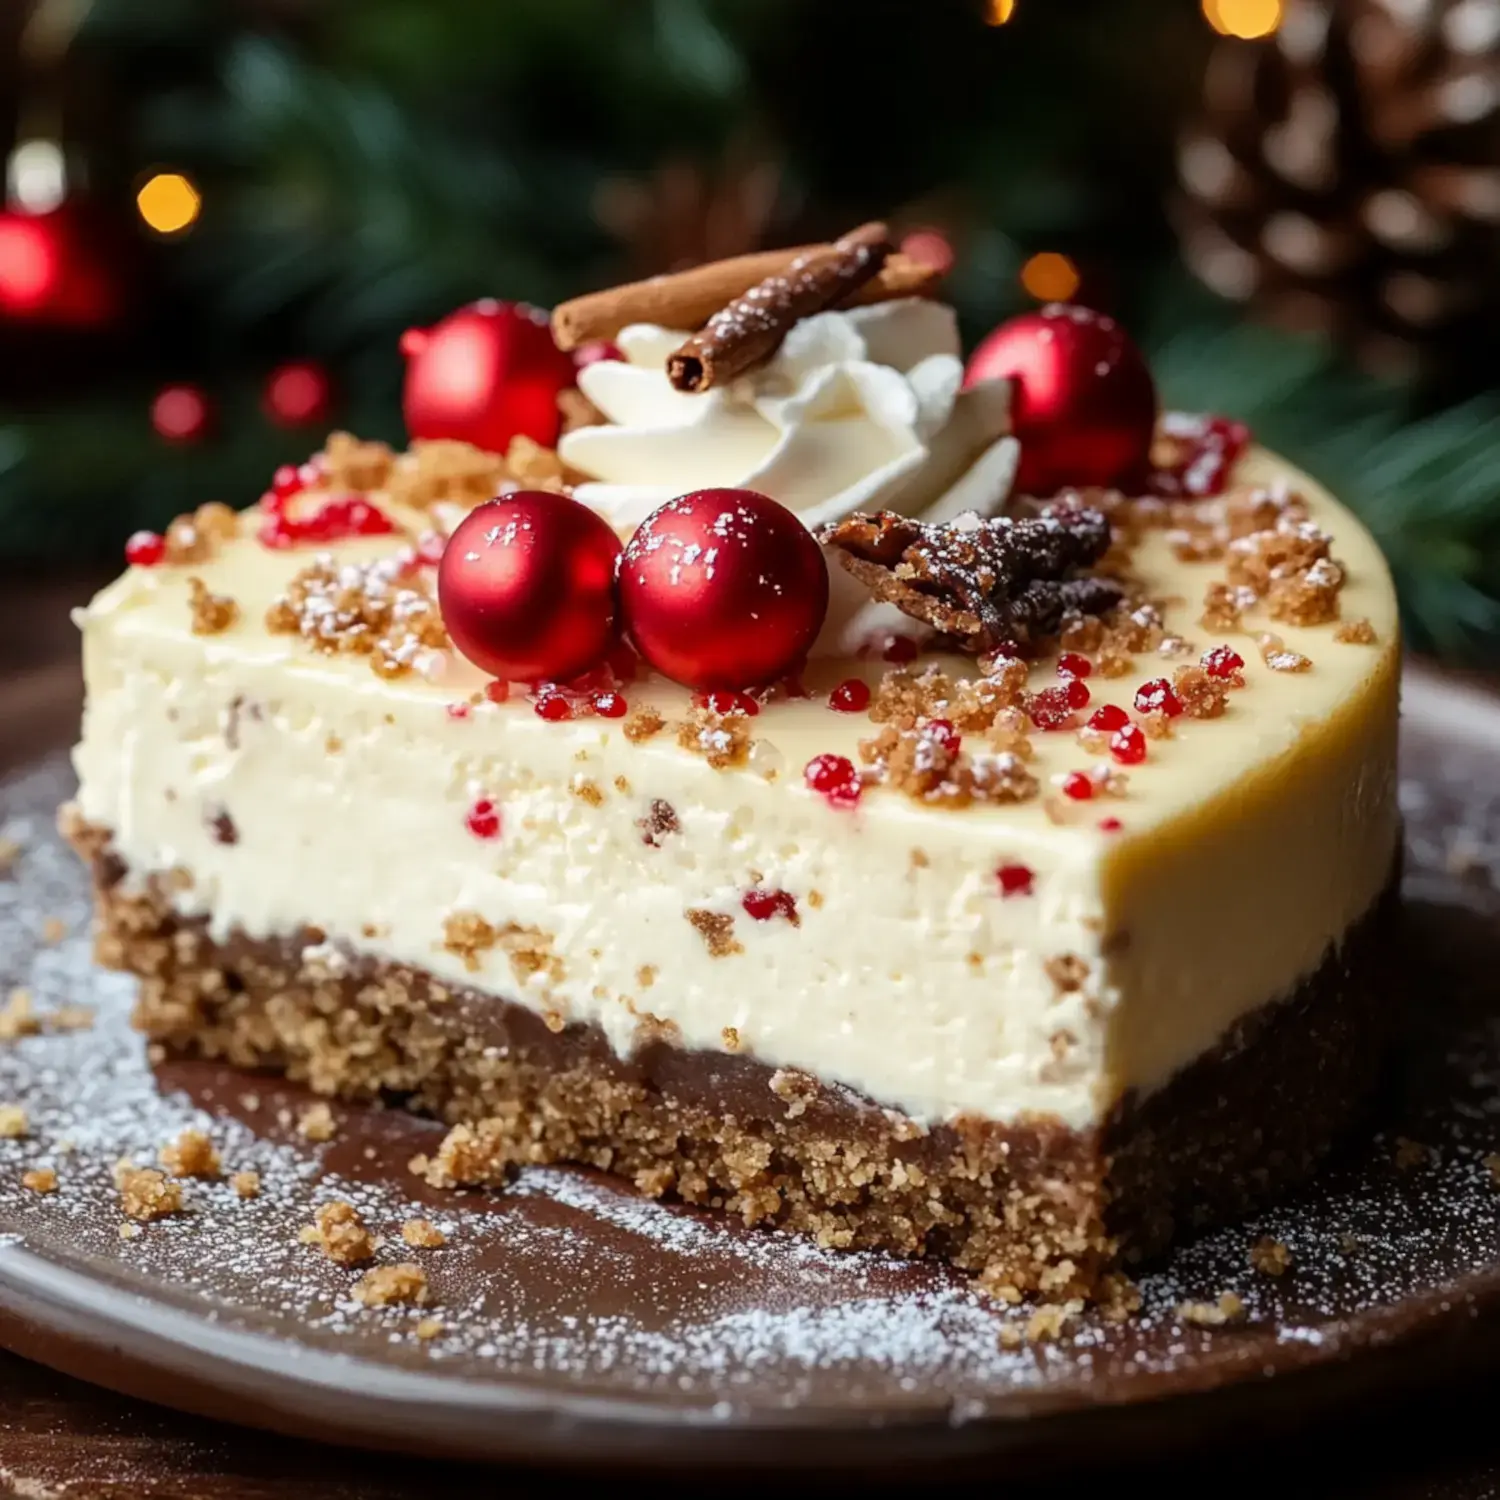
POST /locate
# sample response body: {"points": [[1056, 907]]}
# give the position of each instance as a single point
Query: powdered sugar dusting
{"points": [[568, 1276]]}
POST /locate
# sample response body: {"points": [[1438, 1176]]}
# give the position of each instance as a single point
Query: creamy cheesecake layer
{"points": [[300, 790]]}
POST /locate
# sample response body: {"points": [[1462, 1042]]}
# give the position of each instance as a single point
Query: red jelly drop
{"points": [[851, 696], [1077, 691], [554, 708], [483, 820], [1110, 825], [458, 710], [1073, 664], [1015, 880], [834, 778], [763, 905], [1051, 708], [145, 549], [1108, 717], [899, 649], [724, 701], [610, 705], [1078, 785], [1128, 745], [497, 691], [1223, 662], [1158, 697], [943, 732]]}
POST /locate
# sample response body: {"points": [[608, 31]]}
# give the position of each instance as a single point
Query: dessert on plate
{"points": [[950, 812]]}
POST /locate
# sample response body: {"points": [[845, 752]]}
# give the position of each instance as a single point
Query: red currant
{"points": [[1052, 707], [942, 732], [458, 710], [145, 549], [1077, 691], [1128, 745], [1108, 717], [851, 696], [1074, 664], [763, 905], [834, 778], [1110, 825], [724, 701], [610, 705], [899, 649], [553, 707], [1015, 880], [1223, 662], [1078, 785], [497, 691], [483, 820], [1157, 697]]}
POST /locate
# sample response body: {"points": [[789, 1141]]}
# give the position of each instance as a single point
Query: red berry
{"points": [[610, 705], [851, 696], [497, 691], [899, 649], [1051, 708], [833, 777], [726, 701], [1128, 745], [1073, 664], [289, 480], [942, 732], [1110, 825], [1157, 697], [1108, 717], [553, 707], [1078, 785], [1223, 662], [145, 549], [763, 905], [483, 820], [1078, 692], [1015, 880], [458, 710]]}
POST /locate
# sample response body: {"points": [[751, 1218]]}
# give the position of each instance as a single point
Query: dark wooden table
{"points": [[62, 1438]]}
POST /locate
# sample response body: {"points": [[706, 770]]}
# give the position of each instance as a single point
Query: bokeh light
{"points": [[998, 12], [179, 413], [28, 264], [1050, 277], [168, 203], [1243, 18]]}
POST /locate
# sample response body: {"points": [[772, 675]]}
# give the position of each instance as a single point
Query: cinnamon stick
{"points": [[688, 299], [751, 328]]}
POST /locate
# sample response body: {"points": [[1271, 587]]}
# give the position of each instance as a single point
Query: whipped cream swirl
{"points": [[858, 410]]}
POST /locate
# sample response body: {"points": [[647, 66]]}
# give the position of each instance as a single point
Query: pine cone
{"points": [[1345, 175]]}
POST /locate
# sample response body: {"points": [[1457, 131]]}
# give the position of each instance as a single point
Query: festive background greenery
{"points": [[366, 166]]}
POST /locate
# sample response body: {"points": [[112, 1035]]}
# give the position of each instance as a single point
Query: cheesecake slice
{"points": [[1065, 955]]}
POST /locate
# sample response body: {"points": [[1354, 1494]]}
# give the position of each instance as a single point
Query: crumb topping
{"points": [[642, 724], [1358, 632], [39, 1180], [717, 931], [403, 1285], [192, 1154], [316, 1123], [929, 764], [352, 465], [1270, 1257], [195, 537], [212, 614], [468, 936], [423, 1234], [374, 609], [722, 739], [146, 1194], [1229, 1308], [341, 1234], [246, 1184], [13, 1123], [660, 820]]}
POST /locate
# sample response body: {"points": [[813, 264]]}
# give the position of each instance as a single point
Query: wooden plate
{"points": [[580, 1324]]}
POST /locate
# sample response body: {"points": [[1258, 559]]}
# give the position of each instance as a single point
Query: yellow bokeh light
{"points": [[169, 203], [1243, 18], [1050, 277], [998, 12]]}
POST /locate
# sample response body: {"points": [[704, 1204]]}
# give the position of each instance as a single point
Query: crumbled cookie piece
{"points": [[1201, 696], [341, 1233], [796, 1088], [929, 764], [1002, 582], [192, 1154], [1491, 1163], [374, 609], [660, 820], [353, 466], [1274, 652], [529, 950], [195, 538], [403, 1285], [423, 1234], [717, 931], [39, 1180], [972, 705], [212, 614], [587, 790], [1229, 1308], [1067, 972], [13, 1124], [10, 852], [1270, 1257], [1409, 1154], [147, 1194], [723, 740], [469, 1156], [1224, 606], [428, 1328], [316, 1123], [468, 936], [18, 1017], [1355, 633], [642, 724], [246, 1184]]}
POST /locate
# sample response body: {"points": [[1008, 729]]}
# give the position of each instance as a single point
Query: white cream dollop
{"points": [[858, 410]]}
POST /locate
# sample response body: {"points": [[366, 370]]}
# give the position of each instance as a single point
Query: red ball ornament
{"points": [[54, 268], [484, 375], [298, 394], [1084, 406], [180, 414], [723, 589], [527, 587]]}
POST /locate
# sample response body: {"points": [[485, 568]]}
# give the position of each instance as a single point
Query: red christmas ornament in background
{"points": [[180, 413], [298, 394], [723, 589], [1084, 405], [485, 374], [527, 587], [52, 271]]}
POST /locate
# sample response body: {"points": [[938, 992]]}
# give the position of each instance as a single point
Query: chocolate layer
{"points": [[1033, 1205]]}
